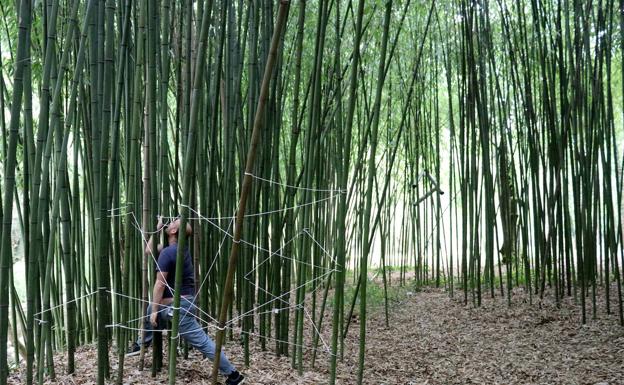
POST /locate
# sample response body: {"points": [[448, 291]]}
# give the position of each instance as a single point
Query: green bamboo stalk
{"points": [[371, 174], [290, 178], [188, 164], [9, 184], [341, 212], [60, 168]]}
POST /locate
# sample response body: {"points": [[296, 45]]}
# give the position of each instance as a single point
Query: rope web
{"points": [[274, 304]]}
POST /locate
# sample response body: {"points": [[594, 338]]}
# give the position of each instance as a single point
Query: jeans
{"points": [[189, 329]]}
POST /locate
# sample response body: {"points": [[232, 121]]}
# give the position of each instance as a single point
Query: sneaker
{"points": [[235, 378], [133, 350]]}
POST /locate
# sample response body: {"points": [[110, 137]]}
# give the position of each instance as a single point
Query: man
{"points": [[162, 299]]}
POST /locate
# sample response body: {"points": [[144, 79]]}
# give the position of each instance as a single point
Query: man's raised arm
{"points": [[150, 241]]}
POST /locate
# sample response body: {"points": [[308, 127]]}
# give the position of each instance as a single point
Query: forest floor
{"points": [[432, 339]]}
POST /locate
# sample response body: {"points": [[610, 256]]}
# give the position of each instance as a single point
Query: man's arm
{"points": [[157, 294], [150, 241], [148, 247]]}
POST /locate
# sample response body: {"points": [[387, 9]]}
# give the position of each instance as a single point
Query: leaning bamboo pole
{"points": [[251, 155]]}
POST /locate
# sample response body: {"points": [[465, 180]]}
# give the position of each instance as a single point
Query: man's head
{"points": [[173, 228]]}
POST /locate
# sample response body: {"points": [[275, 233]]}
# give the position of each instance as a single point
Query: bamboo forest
{"points": [[311, 192]]}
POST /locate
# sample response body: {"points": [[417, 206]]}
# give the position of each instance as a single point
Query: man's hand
{"points": [[148, 243], [157, 295], [159, 224], [154, 318]]}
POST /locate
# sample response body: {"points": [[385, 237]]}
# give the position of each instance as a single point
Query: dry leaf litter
{"points": [[432, 339]]}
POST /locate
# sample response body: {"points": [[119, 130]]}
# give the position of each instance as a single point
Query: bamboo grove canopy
{"points": [[474, 145]]}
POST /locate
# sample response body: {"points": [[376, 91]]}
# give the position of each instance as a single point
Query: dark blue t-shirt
{"points": [[167, 264]]}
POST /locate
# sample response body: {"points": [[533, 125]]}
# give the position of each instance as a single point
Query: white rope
{"points": [[295, 306], [143, 317], [260, 248], [214, 260], [276, 253], [65, 303], [129, 297], [240, 316], [118, 208], [284, 209], [340, 191], [235, 319], [305, 230], [318, 332], [164, 308], [277, 310], [231, 323]]}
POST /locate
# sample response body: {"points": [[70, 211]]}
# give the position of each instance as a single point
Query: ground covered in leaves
{"points": [[432, 339]]}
